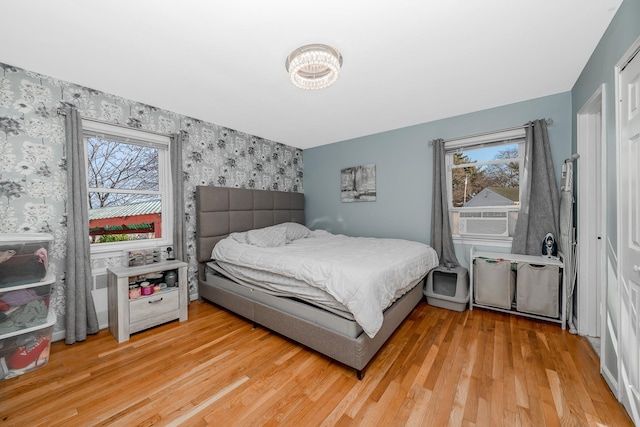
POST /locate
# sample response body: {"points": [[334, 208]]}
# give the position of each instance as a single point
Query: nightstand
{"points": [[127, 316]]}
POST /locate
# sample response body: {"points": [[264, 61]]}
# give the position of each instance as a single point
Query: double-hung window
{"points": [[129, 187], [483, 176]]}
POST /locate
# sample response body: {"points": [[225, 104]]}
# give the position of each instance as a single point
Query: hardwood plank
{"points": [[422, 409], [315, 414], [441, 367]]}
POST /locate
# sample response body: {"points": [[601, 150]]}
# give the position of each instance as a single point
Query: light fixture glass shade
{"points": [[314, 66]]}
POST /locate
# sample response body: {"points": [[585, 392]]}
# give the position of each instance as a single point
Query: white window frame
{"points": [[478, 141], [119, 133]]}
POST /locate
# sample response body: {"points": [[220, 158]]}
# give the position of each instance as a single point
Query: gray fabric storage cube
{"points": [[494, 282], [538, 289]]}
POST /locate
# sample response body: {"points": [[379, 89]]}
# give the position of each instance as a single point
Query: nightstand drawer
{"points": [[163, 306]]}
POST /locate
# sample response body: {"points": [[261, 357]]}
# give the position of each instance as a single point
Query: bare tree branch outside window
{"points": [[116, 165], [470, 176], [125, 202]]}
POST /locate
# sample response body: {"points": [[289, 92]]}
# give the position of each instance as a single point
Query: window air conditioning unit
{"points": [[484, 223]]}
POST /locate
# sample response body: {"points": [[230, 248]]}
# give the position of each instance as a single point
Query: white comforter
{"points": [[366, 275]]}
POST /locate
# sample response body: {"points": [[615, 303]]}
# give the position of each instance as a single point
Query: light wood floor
{"points": [[440, 368]]}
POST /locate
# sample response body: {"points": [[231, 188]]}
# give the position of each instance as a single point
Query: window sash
{"points": [[123, 191], [161, 142], [488, 139], [460, 145], [92, 128], [487, 162]]}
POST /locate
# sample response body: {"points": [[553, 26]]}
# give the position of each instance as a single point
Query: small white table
{"points": [[127, 316]]}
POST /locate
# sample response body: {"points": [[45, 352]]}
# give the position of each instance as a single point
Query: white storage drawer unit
{"points": [[26, 322], [27, 349], [24, 306], [539, 285], [24, 258]]}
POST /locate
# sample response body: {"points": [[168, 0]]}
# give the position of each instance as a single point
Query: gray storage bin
{"points": [[494, 282], [538, 289]]}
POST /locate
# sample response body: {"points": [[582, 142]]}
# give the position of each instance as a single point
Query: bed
{"points": [[328, 329]]}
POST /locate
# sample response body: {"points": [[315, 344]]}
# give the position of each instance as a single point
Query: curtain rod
{"points": [[548, 121], [61, 112]]}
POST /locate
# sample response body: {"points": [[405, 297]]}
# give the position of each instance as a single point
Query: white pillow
{"points": [[296, 231], [239, 237], [319, 233], [268, 237]]}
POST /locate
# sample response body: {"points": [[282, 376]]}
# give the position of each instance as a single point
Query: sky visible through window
{"points": [[488, 153]]}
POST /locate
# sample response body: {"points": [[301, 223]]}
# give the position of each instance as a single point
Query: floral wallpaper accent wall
{"points": [[33, 165]]}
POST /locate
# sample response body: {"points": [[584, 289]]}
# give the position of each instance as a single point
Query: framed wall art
{"points": [[358, 184]]}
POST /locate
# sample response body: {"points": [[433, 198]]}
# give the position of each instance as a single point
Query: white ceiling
{"points": [[222, 61]]}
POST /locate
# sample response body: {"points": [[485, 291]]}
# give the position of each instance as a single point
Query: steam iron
{"points": [[549, 247]]}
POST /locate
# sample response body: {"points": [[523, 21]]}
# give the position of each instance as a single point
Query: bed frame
{"points": [[221, 211]]}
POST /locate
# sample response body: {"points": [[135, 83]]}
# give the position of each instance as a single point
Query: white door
{"points": [[629, 236], [591, 213]]}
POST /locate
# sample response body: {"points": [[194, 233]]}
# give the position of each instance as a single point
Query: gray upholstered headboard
{"points": [[220, 211]]}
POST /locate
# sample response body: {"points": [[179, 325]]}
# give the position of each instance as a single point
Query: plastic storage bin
{"points": [[448, 288], [26, 350], [24, 258], [538, 289], [25, 306], [494, 282]]}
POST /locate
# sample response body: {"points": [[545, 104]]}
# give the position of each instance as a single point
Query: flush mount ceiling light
{"points": [[314, 66]]}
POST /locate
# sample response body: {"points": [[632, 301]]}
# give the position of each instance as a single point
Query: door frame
{"points": [[591, 134]]}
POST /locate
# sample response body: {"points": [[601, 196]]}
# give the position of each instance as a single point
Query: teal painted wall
{"points": [[403, 162], [620, 35]]}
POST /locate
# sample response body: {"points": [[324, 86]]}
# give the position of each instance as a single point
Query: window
{"points": [[129, 187], [484, 176]]}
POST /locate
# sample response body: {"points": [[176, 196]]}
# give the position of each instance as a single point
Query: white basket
{"points": [[538, 289], [494, 282]]}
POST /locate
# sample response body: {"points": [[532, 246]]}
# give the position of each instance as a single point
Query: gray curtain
{"points": [[80, 317], [441, 240], [179, 243], [540, 204]]}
